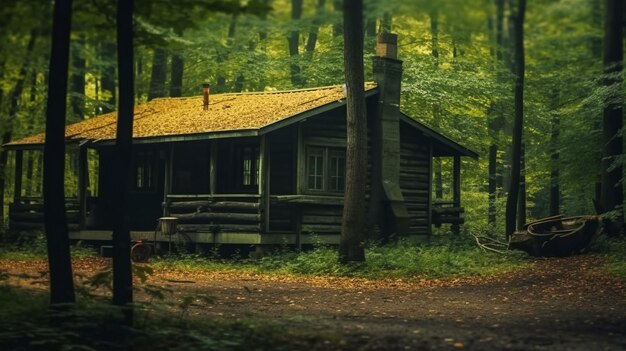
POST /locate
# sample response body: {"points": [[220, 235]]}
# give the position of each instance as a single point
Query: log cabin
{"points": [[257, 168]]}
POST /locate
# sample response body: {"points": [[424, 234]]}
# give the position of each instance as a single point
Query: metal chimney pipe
{"points": [[205, 92]]}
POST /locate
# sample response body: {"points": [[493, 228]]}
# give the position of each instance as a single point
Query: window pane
{"points": [[247, 165], [315, 168], [255, 180], [336, 173], [144, 162]]}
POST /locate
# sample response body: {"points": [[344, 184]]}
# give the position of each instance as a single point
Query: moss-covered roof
{"points": [[184, 116]]}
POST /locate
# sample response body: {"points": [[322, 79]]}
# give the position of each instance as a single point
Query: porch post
{"points": [[264, 183], [167, 181], [456, 189], [213, 167], [300, 162], [17, 193], [430, 207], [82, 185]]}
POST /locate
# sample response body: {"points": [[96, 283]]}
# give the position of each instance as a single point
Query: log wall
{"points": [[28, 214], [216, 213], [415, 173]]}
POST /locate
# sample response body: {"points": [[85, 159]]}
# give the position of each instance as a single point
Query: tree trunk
{"points": [[157, 77], [122, 272], [555, 193], [30, 158], [223, 56], [176, 76], [14, 97], [611, 193], [77, 97], [315, 27], [386, 23], [263, 32], [352, 229], [595, 48], [434, 32], [176, 81], [496, 117], [107, 80], [521, 199], [59, 261], [294, 43], [491, 216], [337, 27], [516, 149]]}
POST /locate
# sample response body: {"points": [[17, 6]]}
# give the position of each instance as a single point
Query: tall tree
{"points": [[77, 79], [294, 43], [495, 122], [107, 77], [521, 198], [434, 49], [157, 77], [555, 192], [177, 69], [352, 228], [611, 197], [59, 261], [337, 27], [518, 9], [14, 97], [122, 273], [315, 28]]}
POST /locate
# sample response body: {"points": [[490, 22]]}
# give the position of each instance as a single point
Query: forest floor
{"points": [[556, 304]]}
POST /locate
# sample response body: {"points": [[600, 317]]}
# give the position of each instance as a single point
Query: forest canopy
{"points": [[458, 77]]}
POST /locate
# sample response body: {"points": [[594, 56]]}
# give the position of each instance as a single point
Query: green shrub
{"points": [[444, 258], [614, 251]]}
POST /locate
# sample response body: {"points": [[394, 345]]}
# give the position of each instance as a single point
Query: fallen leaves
{"points": [[227, 112]]}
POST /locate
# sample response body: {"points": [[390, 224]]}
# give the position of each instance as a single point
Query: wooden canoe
{"points": [[556, 236]]}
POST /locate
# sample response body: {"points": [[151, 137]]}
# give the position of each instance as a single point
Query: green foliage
{"points": [[614, 251], [31, 246], [242, 46], [438, 259]]}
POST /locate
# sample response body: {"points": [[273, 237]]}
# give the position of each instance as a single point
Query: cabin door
{"points": [[146, 195]]}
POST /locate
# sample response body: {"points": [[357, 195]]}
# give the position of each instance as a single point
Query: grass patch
{"points": [[614, 251], [26, 323], [438, 259], [39, 252], [403, 260]]}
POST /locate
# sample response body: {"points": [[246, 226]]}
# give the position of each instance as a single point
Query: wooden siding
{"points": [[415, 179], [328, 130], [216, 213]]}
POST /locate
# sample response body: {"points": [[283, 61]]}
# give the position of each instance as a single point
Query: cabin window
{"points": [[315, 173], [336, 170], [249, 166], [326, 168], [144, 170]]}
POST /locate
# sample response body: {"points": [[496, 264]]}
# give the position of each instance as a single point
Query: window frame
{"points": [[327, 153], [240, 169], [145, 164]]}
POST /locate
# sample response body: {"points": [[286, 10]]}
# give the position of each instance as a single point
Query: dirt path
{"points": [[564, 304]]}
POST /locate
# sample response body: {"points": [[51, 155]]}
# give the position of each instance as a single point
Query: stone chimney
{"points": [[387, 206]]}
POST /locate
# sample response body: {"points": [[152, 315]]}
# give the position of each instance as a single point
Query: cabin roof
{"points": [[230, 113], [444, 146]]}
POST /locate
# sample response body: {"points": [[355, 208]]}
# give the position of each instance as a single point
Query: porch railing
{"points": [[449, 212], [217, 213], [27, 214]]}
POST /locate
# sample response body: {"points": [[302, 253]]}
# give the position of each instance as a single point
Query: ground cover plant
{"points": [[440, 258]]}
